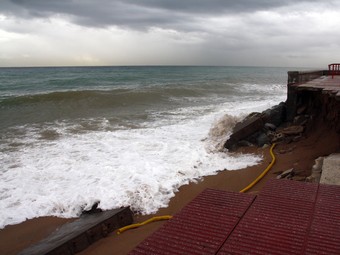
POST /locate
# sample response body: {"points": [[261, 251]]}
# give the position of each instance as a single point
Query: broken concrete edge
{"points": [[299, 111], [330, 171], [270, 126], [326, 170], [76, 236]]}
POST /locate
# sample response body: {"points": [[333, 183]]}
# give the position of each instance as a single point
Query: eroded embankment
{"points": [[316, 117]]}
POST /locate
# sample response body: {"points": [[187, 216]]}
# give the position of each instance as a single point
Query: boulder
{"points": [[276, 115], [270, 126], [252, 127], [244, 129], [301, 120], [293, 130], [278, 137], [262, 139]]}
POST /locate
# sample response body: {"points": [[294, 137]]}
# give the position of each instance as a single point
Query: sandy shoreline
{"points": [[320, 141]]}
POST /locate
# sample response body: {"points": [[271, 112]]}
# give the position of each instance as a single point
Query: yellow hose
{"points": [[264, 172], [136, 225], [167, 217]]}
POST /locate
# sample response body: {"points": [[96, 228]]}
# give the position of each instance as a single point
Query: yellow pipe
{"points": [[264, 172], [136, 225], [167, 217]]}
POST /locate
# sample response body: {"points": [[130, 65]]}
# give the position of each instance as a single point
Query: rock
{"points": [[284, 151], [297, 138], [253, 123], [288, 140], [251, 128], [317, 168], [293, 130], [244, 143], [301, 120], [270, 126], [271, 134], [318, 164], [262, 139], [310, 179], [286, 174], [316, 171], [278, 137], [94, 209], [276, 115]]}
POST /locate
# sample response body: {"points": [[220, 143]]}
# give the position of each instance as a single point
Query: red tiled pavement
{"points": [[287, 217], [201, 227]]}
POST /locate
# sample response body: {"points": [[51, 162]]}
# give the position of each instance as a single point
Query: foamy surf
{"points": [[115, 153], [141, 168]]}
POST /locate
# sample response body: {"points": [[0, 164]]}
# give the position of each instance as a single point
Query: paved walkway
{"points": [[324, 83], [287, 217]]}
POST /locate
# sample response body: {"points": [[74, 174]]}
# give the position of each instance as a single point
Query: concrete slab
{"points": [[244, 129], [327, 84], [331, 170], [78, 235]]}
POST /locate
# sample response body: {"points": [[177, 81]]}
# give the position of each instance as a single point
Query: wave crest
{"points": [[220, 131]]}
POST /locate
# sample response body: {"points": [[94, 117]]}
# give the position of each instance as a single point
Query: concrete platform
{"points": [[326, 84], [331, 170]]}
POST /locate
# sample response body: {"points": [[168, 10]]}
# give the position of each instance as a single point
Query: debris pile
{"points": [[259, 129]]}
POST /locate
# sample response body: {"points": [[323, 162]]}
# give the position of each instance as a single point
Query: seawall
{"points": [[313, 99]]}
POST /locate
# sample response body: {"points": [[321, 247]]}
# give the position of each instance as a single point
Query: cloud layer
{"points": [[215, 32], [138, 14]]}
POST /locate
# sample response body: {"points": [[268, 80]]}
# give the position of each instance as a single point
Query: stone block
{"points": [[331, 170], [244, 129]]}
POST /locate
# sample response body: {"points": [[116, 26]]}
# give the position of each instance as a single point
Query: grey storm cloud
{"points": [[216, 32], [137, 14]]}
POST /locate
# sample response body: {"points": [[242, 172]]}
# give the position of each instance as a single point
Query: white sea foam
{"points": [[141, 168], [220, 131]]}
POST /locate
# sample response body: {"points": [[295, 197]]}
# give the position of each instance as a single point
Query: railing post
{"points": [[334, 69]]}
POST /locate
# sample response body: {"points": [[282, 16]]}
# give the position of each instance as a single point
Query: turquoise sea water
{"points": [[73, 136]]}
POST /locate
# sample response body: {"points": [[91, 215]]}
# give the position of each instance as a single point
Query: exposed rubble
{"points": [[266, 128], [316, 171], [290, 122]]}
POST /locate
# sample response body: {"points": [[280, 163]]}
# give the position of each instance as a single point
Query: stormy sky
{"points": [[169, 32]]}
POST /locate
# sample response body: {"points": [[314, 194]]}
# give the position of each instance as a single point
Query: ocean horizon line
{"points": [[120, 66]]}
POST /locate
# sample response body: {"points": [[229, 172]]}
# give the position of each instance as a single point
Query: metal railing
{"points": [[334, 69]]}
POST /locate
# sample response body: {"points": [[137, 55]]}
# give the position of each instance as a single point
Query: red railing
{"points": [[334, 69]]}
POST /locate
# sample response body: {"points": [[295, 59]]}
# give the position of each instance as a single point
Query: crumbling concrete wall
{"points": [[295, 78], [301, 110]]}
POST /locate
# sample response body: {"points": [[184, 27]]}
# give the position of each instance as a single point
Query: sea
{"points": [[72, 137]]}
